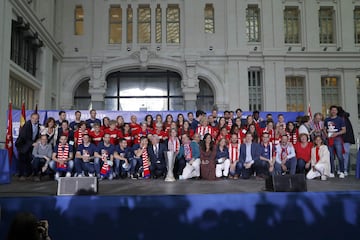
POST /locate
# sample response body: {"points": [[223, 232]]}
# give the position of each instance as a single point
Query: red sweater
{"points": [[303, 153]]}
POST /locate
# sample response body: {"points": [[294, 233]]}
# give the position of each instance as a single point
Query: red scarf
{"points": [[105, 169], [187, 152], [173, 143], [80, 135], [146, 165], [283, 152], [62, 154], [317, 154]]}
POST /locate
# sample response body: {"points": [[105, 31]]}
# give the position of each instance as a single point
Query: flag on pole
{"points": [[36, 109], [23, 115], [45, 118], [309, 112], [9, 134]]}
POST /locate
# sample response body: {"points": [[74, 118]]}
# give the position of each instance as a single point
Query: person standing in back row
{"points": [[348, 138], [28, 135], [335, 128]]}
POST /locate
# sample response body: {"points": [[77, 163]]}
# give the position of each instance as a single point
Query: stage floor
{"points": [[159, 187]]}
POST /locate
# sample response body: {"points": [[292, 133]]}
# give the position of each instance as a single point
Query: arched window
{"points": [[153, 90], [82, 98], [205, 98]]}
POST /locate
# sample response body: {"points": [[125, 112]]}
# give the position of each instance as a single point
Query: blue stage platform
{"points": [[309, 215]]}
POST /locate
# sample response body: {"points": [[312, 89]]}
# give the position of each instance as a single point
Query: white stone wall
{"points": [[43, 18], [224, 68]]}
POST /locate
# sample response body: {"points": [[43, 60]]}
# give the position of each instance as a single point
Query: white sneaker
{"points": [[80, 175], [341, 175], [346, 173], [110, 177], [323, 178], [91, 175], [57, 175], [68, 174], [331, 175]]}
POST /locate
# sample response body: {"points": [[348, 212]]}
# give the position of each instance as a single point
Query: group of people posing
{"points": [[204, 146]]}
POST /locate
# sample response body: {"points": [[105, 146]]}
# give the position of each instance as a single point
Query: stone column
{"points": [[190, 87], [97, 84]]}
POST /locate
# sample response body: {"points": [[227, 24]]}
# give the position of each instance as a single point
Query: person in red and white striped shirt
{"points": [[204, 128], [234, 156]]}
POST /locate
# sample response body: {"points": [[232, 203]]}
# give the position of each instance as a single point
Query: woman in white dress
{"points": [[320, 160]]}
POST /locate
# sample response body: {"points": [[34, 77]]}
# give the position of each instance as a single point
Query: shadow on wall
{"points": [[256, 216]]}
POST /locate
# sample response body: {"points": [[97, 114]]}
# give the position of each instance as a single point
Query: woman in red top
{"points": [[254, 133], [222, 123], [180, 121], [127, 135], [158, 120], [96, 134], [303, 153], [186, 130], [167, 123], [149, 122], [223, 134], [120, 122], [105, 123]]}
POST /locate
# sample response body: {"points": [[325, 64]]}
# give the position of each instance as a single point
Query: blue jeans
{"points": [[37, 163], [300, 166], [136, 163], [97, 166], [259, 166], [346, 156], [290, 164], [69, 168], [81, 166], [237, 169], [337, 147]]}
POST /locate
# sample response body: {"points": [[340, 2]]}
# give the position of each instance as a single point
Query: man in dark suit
{"points": [[28, 135], [249, 157], [156, 151]]}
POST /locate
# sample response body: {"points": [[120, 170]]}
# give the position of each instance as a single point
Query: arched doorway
{"points": [[205, 98], [151, 90]]}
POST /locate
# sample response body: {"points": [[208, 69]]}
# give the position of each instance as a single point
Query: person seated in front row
{"points": [[156, 153], [285, 157], [189, 155], [84, 158], [320, 160], [123, 159], [41, 157], [249, 157], [267, 156], [234, 156], [142, 169], [303, 153], [104, 158], [222, 158], [207, 157], [62, 158]]}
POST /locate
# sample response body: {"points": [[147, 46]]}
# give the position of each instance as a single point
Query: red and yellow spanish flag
{"points": [[23, 115], [9, 134]]}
